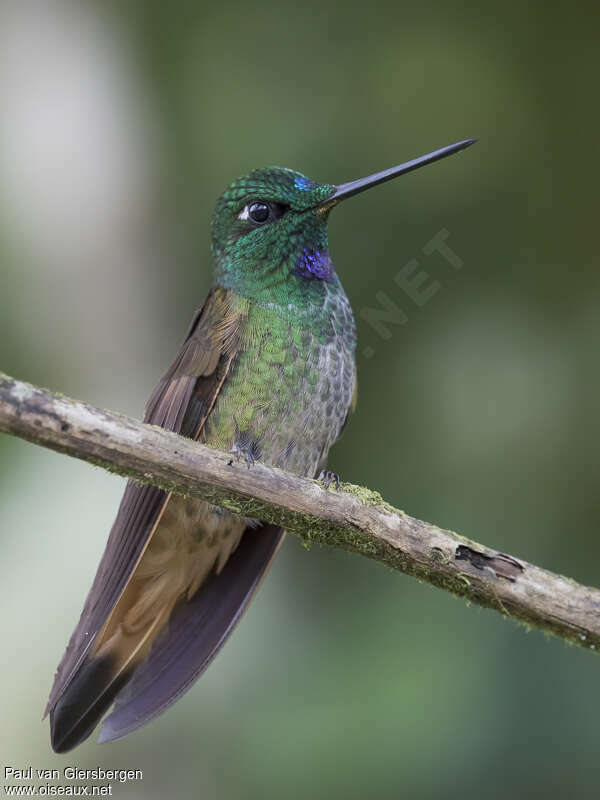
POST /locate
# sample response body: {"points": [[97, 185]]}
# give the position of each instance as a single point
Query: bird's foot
{"points": [[245, 451], [326, 477]]}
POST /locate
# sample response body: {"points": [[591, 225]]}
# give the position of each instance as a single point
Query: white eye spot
{"points": [[244, 213]]}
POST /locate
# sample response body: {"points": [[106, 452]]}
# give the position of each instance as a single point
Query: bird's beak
{"points": [[345, 190]]}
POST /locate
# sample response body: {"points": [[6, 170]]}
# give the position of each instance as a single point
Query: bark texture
{"points": [[351, 518]]}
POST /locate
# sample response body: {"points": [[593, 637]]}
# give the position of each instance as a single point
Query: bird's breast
{"points": [[288, 396]]}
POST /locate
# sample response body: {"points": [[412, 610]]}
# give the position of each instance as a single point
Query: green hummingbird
{"points": [[267, 371]]}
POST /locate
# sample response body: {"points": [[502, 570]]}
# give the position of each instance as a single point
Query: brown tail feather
{"points": [[97, 682], [189, 543]]}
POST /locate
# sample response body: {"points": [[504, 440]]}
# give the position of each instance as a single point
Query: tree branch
{"points": [[353, 518]]}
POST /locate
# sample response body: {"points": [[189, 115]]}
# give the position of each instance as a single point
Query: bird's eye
{"points": [[259, 212]]}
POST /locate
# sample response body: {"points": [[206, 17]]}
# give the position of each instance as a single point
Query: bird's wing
{"points": [[196, 632], [181, 402]]}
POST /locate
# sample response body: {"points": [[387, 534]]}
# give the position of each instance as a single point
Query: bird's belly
{"points": [[288, 413], [191, 540], [284, 407]]}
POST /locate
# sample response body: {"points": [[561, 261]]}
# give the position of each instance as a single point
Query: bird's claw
{"points": [[326, 477], [246, 452]]}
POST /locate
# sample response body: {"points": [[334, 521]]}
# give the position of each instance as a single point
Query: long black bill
{"points": [[354, 187]]}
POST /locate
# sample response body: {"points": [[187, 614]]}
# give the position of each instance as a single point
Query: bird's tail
{"points": [[101, 677], [162, 633]]}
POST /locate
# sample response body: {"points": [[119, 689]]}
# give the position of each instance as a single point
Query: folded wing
{"points": [[181, 402]]}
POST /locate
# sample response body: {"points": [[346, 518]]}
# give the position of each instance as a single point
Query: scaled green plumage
{"points": [[267, 371]]}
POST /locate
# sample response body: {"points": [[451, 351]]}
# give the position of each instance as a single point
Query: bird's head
{"points": [[269, 228], [269, 231]]}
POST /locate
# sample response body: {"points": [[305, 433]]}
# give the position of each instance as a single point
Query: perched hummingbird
{"points": [[267, 370]]}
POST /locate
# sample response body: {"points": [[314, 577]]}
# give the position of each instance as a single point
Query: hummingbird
{"points": [[267, 372]]}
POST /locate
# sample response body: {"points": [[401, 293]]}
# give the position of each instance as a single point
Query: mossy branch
{"points": [[351, 518]]}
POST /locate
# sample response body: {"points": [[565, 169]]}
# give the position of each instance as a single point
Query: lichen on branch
{"points": [[352, 518]]}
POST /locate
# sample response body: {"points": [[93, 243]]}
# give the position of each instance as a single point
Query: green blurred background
{"points": [[120, 123]]}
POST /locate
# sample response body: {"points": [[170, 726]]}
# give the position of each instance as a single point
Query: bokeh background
{"points": [[120, 123]]}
